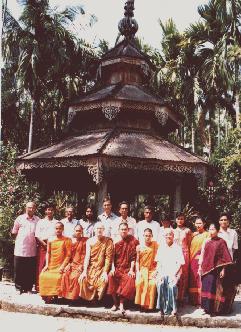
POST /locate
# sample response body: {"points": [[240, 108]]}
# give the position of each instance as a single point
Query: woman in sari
{"points": [[214, 259], [57, 258], [195, 250], [145, 270], [183, 237]]}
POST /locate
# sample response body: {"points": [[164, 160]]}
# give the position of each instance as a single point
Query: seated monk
{"points": [[57, 258], [70, 282], [145, 271], [122, 276], [99, 252]]}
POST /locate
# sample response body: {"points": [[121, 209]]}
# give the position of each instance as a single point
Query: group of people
{"points": [[153, 265]]}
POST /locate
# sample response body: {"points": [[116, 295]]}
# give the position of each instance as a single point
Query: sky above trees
{"points": [[109, 12]]}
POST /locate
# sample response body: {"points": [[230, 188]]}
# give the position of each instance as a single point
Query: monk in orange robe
{"points": [[70, 280], [122, 275], [146, 272], [57, 258], [97, 264]]}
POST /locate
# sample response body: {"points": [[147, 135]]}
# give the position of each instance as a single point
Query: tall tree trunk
{"points": [[237, 110], [236, 95], [30, 134], [219, 129], [193, 136]]}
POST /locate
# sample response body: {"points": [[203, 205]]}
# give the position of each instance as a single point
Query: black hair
{"points": [[225, 214], [148, 230], [123, 223], [216, 225], [124, 202]]}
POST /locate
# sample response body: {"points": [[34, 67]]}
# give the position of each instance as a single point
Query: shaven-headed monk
{"points": [[57, 258], [70, 280], [97, 264], [122, 275], [145, 272]]}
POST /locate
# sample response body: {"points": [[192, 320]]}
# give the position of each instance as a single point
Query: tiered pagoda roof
{"points": [[121, 123]]}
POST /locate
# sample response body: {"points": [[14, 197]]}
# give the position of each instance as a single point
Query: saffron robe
{"points": [[194, 277], [59, 251], [101, 254], [214, 256], [121, 283], [70, 284], [145, 283]]}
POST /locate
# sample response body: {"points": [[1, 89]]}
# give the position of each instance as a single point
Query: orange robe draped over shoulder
{"points": [[100, 261], [145, 283], [59, 251], [70, 284], [121, 283]]}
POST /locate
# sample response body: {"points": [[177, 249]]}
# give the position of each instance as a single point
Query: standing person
{"points": [[124, 218], [57, 258], [169, 260], [214, 260], [88, 221], [231, 238], [108, 218], [97, 264], [70, 280], [69, 222], [148, 222], [165, 223], [121, 284], [183, 237], [198, 238], [44, 230], [145, 271], [25, 249]]}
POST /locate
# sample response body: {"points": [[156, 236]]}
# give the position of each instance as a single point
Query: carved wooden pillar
{"points": [[101, 194], [177, 199]]}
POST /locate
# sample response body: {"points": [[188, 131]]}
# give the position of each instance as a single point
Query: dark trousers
{"points": [[24, 273]]}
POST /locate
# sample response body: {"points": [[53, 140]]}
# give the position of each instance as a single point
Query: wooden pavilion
{"points": [[117, 141]]}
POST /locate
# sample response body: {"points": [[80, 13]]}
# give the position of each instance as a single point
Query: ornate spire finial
{"points": [[128, 25]]}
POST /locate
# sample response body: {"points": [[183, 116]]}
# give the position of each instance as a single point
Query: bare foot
{"points": [[122, 309], [114, 308], [173, 313]]}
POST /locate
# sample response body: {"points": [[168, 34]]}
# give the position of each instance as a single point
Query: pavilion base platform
{"points": [[188, 315]]}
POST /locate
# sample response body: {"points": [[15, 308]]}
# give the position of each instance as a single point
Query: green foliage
{"points": [[226, 163], [45, 65], [15, 192]]}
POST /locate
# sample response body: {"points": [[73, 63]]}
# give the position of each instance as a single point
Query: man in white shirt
{"points": [[231, 273], [148, 223], [124, 218], [25, 249], [228, 234], [69, 222], [108, 218], [44, 230], [169, 260]]}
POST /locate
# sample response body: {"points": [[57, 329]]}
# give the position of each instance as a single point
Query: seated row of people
{"points": [[28, 227], [145, 273]]}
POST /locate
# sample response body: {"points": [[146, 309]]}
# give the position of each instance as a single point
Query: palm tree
{"points": [[48, 52]]}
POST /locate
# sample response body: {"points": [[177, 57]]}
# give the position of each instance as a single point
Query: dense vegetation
{"points": [[197, 71]]}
